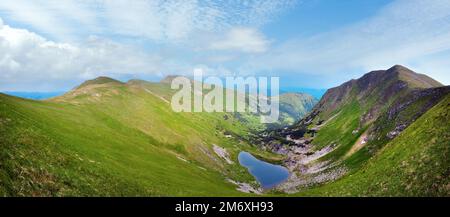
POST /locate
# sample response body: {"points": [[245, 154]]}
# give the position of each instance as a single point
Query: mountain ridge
{"points": [[391, 81], [352, 123], [386, 134], [99, 80]]}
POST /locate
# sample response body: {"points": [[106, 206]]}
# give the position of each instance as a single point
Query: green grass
{"points": [[339, 130], [126, 142], [413, 164], [116, 139]]}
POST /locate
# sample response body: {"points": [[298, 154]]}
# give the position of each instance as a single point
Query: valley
{"points": [[384, 134]]}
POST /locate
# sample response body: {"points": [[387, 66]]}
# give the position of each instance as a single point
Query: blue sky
{"points": [[316, 16], [50, 45]]}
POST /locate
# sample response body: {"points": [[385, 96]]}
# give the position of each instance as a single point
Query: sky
{"points": [[53, 45]]}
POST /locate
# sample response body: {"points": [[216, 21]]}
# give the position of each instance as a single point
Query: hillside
{"points": [[293, 107], [413, 164], [351, 124], [106, 137], [111, 138], [384, 134]]}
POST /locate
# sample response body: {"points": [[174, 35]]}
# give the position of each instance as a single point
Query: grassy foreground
{"points": [[108, 138], [114, 139], [416, 163]]}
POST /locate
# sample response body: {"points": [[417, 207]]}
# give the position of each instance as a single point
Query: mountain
{"points": [[384, 134], [111, 138], [415, 163], [293, 106], [353, 123], [360, 102], [373, 91], [34, 95], [107, 137], [316, 93], [98, 81]]}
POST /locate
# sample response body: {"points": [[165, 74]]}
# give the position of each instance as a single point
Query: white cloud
{"points": [[242, 39], [52, 18], [29, 58], [157, 20], [174, 21], [404, 32], [47, 42], [153, 36]]}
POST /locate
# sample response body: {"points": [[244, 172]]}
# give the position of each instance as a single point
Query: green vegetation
{"points": [[413, 164], [293, 107], [389, 132], [383, 134], [339, 130], [113, 139]]}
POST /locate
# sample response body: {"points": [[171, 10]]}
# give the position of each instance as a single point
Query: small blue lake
{"points": [[267, 174]]}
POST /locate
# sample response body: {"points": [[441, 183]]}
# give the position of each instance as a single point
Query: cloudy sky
{"points": [[52, 45]]}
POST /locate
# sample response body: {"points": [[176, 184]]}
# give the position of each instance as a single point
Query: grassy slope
{"points": [[112, 138], [413, 164], [345, 126], [125, 142], [293, 106], [123, 139], [355, 105]]}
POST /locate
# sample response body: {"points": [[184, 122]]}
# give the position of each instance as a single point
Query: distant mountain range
{"points": [[316, 93], [384, 134], [107, 137], [293, 105], [34, 95]]}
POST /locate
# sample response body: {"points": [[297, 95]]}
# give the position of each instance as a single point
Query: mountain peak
{"points": [[397, 73], [413, 79], [99, 80], [375, 88], [398, 68]]}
